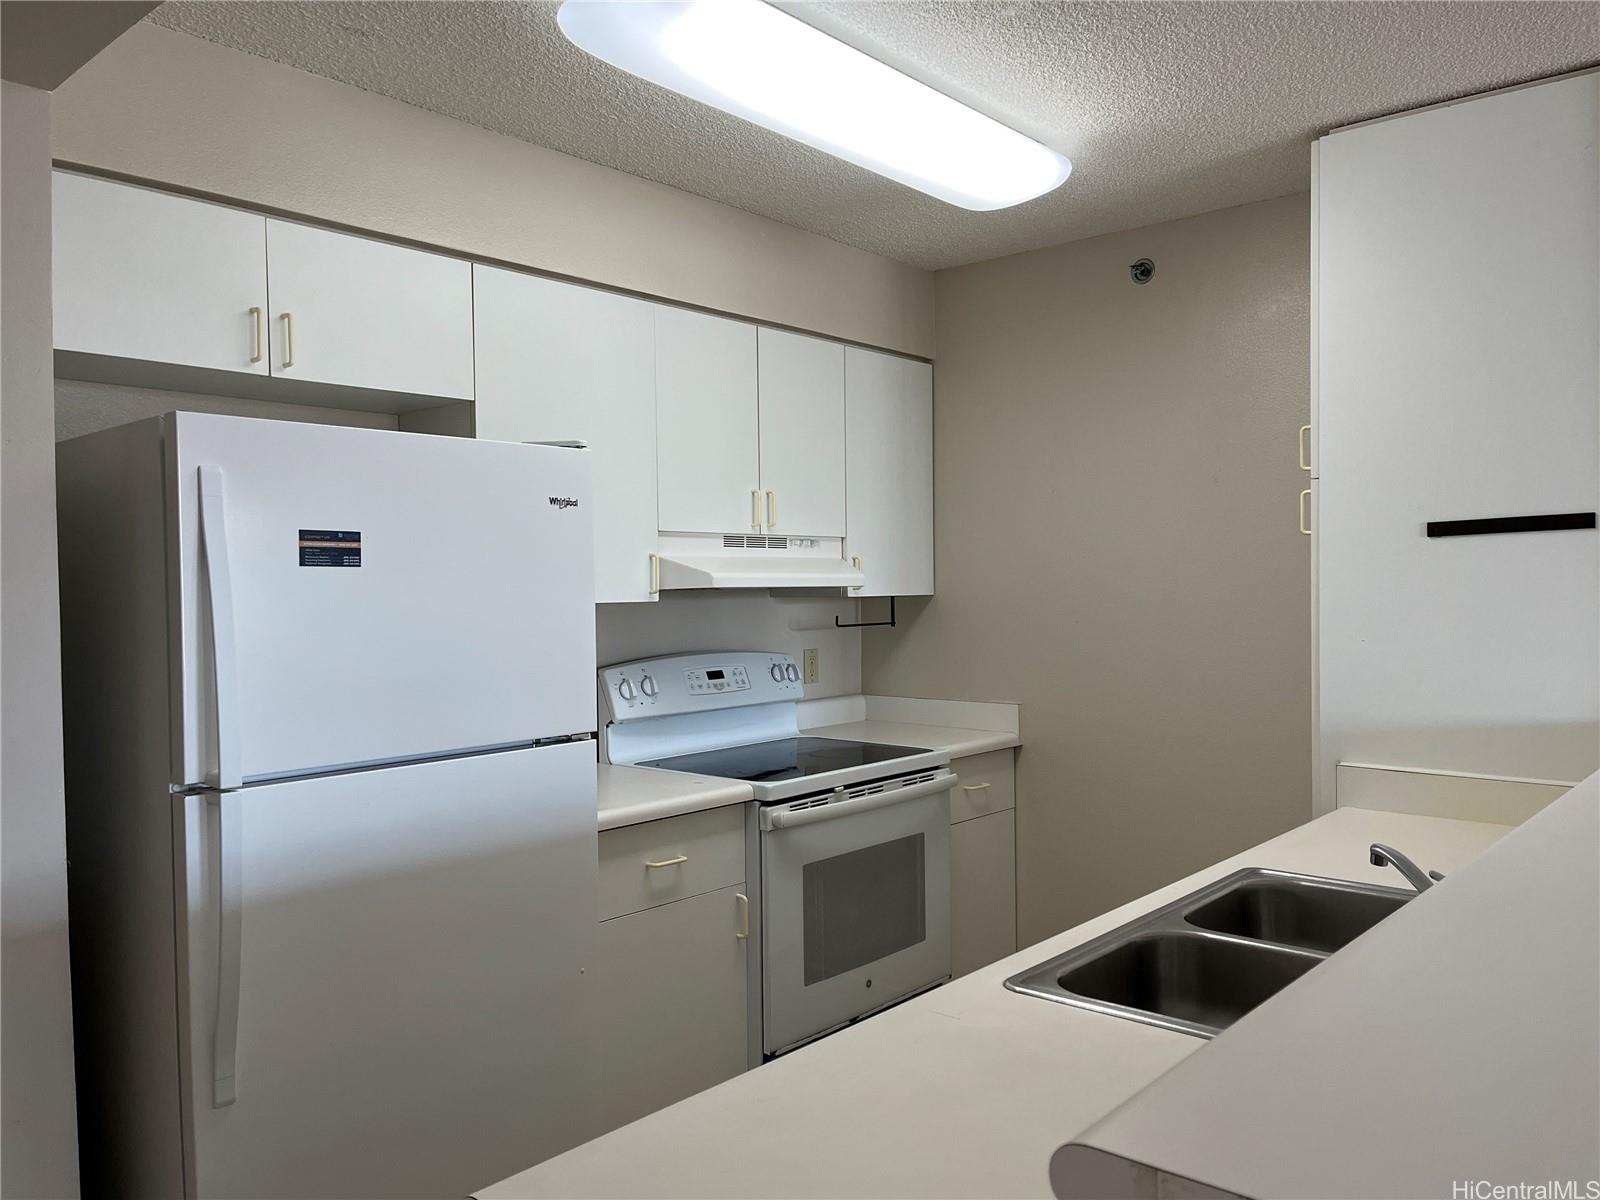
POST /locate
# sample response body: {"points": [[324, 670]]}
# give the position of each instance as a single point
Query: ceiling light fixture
{"points": [[756, 62]]}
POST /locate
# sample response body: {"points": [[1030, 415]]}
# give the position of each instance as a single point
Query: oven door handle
{"points": [[778, 817]]}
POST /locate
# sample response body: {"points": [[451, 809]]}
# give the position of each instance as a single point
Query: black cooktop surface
{"points": [[786, 758]]}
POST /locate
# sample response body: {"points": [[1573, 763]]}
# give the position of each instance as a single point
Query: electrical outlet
{"points": [[809, 659]]}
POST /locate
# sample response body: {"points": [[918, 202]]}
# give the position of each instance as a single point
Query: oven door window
{"points": [[863, 905]]}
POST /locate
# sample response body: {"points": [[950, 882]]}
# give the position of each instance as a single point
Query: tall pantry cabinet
{"points": [[1456, 338]]}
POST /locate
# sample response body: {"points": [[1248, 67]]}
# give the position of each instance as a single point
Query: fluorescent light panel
{"points": [[756, 62]]}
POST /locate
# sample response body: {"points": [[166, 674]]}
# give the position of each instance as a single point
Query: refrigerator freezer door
{"points": [[391, 596], [409, 957]]}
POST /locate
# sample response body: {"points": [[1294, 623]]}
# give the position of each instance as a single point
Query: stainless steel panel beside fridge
{"points": [[330, 806]]}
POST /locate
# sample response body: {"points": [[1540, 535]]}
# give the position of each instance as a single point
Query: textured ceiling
{"points": [[1166, 109]]}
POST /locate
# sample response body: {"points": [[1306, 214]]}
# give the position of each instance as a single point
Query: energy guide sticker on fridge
{"points": [[330, 547]]}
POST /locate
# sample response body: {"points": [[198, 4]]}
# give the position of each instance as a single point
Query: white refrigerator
{"points": [[331, 813]]}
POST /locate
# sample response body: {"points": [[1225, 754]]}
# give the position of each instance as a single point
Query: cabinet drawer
{"points": [[709, 845], [988, 785]]}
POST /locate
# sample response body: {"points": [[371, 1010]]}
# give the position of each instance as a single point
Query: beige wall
{"points": [[174, 109], [39, 1155], [1116, 486], [83, 407]]}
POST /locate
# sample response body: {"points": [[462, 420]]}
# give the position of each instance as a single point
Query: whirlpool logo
{"points": [[563, 502]]}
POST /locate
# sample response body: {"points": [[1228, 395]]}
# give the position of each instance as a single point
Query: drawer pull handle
{"points": [[755, 507], [255, 339], [1305, 447], [975, 787], [668, 862], [1305, 512], [772, 510], [288, 340], [744, 916]]}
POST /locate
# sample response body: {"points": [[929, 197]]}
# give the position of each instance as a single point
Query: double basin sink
{"points": [[1200, 963]]}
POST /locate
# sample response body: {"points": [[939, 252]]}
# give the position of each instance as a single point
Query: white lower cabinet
{"points": [[983, 862], [671, 996]]}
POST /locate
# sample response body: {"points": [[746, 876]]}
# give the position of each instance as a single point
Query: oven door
{"points": [[856, 912]]}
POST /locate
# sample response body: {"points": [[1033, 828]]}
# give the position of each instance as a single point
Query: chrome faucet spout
{"points": [[1387, 856]]}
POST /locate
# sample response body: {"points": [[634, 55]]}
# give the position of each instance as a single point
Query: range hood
{"points": [[734, 561]]}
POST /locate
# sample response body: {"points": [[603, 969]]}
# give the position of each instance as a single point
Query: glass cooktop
{"points": [[787, 758]]}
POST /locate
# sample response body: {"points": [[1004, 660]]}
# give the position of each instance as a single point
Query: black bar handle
{"points": [[1535, 524]]}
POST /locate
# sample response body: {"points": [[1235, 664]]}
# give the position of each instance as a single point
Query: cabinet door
{"points": [[671, 1007], [359, 313], [556, 362], [139, 274], [983, 891], [706, 445], [802, 434], [889, 459], [1458, 340]]}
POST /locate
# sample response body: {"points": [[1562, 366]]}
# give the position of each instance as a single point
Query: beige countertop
{"points": [[958, 742], [632, 795], [965, 1091]]}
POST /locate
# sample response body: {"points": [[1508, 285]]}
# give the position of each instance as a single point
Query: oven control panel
{"points": [[691, 683], [704, 680]]}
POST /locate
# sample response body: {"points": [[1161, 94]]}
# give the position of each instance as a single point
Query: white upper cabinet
{"points": [[148, 276], [801, 389], [706, 446], [557, 362], [889, 460], [354, 312]]}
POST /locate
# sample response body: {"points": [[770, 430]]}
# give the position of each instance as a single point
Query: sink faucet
{"points": [[1387, 856]]}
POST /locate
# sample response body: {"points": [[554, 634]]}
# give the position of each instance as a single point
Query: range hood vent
{"points": [[754, 561]]}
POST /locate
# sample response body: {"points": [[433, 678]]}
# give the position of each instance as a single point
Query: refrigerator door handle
{"points": [[230, 919], [224, 659]]}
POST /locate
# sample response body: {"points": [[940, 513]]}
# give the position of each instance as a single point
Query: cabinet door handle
{"points": [[288, 339], [1305, 512], [668, 862], [755, 508], [655, 574], [772, 509], [744, 915], [1305, 447], [256, 318], [855, 561], [975, 787]]}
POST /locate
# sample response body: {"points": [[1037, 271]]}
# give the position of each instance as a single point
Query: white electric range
{"points": [[847, 845]]}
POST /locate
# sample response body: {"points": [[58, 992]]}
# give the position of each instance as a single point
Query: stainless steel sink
{"points": [[1314, 914], [1200, 963]]}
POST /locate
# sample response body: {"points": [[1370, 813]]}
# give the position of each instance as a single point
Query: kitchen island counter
{"points": [[964, 1091]]}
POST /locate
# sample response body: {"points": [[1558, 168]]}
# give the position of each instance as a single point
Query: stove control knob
{"points": [[777, 672], [625, 689], [792, 673], [648, 687]]}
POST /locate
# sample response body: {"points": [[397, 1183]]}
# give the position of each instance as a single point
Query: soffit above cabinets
{"points": [[1166, 109]]}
